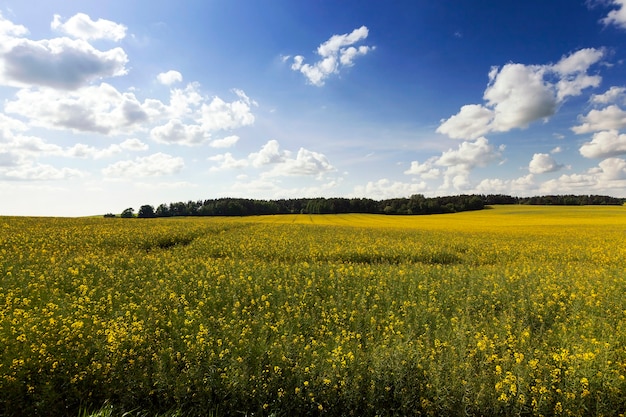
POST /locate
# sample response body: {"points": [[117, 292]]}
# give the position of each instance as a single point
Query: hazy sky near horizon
{"points": [[116, 104]]}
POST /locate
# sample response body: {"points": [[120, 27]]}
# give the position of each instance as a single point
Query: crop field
{"points": [[515, 310]]}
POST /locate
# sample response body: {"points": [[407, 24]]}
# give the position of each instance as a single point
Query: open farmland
{"points": [[507, 311]]}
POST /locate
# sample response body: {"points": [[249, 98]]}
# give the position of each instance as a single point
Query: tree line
{"points": [[416, 204]]}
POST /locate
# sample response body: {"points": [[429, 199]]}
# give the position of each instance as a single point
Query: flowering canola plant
{"points": [[513, 311]]}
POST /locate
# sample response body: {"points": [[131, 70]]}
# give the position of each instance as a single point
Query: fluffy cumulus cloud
{"points": [[612, 95], [227, 161], [617, 16], [605, 123], [385, 188], [29, 146], [519, 94], [9, 29], [608, 118], [424, 170], [170, 77], [157, 164], [470, 154], [38, 172], [175, 131], [100, 109], [518, 186], [226, 142], [82, 27], [305, 163], [270, 153], [471, 122], [542, 163], [611, 169], [608, 176], [458, 163], [604, 144], [61, 63], [58, 63], [20, 154], [337, 52], [188, 119], [81, 150], [277, 162], [196, 118], [220, 115]]}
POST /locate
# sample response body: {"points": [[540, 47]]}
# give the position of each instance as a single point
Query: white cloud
{"points": [[270, 153], [226, 142], [81, 150], [425, 170], [611, 117], [29, 146], [220, 115], [461, 161], [184, 102], [472, 121], [18, 160], [519, 94], [385, 188], [617, 16], [604, 144], [157, 164], [8, 125], [518, 186], [458, 163], [100, 109], [573, 85], [227, 161], [609, 177], [206, 116], [39, 172], [612, 169], [170, 77], [470, 155], [188, 119], [174, 131], [8, 159], [337, 52], [558, 149], [269, 188], [60, 63], [612, 95], [578, 62], [280, 162], [134, 144], [82, 27], [9, 29], [543, 163], [306, 163], [569, 184]]}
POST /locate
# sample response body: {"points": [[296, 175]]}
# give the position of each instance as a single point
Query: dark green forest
{"points": [[414, 205]]}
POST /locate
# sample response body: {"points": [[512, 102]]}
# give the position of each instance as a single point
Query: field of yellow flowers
{"points": [[514, 310]]}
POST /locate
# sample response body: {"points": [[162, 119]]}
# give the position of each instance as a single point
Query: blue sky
{"points": [[116, 104]]}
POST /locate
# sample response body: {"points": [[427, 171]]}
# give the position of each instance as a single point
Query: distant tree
{"points": [[109, 215], [163, 211], [146, 211], [128, 213], [178, 209]]}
